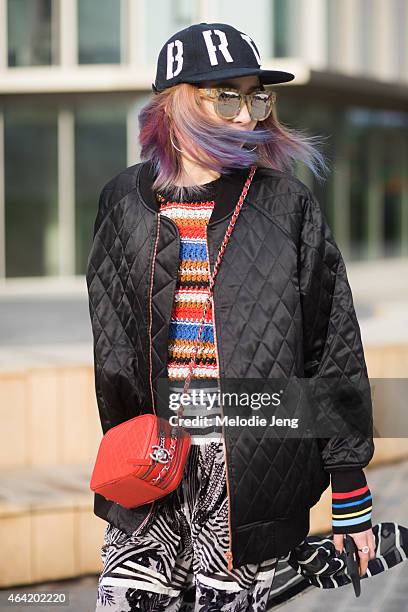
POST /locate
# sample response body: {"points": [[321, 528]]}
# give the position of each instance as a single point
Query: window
{"points": [[280, 28], [99, 31], [377, 188], [393, 188], [286, 25], [358, 144], [100, 153], [31, 191], [399, 26], [174, 15], [32, 32], [313, 118], [249, 21], [365, 36], [333, 33]]}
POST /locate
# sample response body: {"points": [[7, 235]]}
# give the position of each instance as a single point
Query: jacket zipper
{"points": [[143, 523], [150, 349], [150, 342], [228, 553]]}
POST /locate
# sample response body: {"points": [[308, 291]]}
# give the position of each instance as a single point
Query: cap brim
{"points": [[269, 77], [266, 77]]}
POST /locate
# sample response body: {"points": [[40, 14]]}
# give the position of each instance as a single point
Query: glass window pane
{"points": [[31, 192], [99, 35], [280, 28], [286, 25], [333, 33], [393, 182], [249, 21], [358, 143], [365, 35], [174, 16], [399, 28], [30, 32], [100, 153], [384, 180], [313, 119]]}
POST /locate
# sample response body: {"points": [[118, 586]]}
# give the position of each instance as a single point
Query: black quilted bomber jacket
{"points": [[282, 308]]}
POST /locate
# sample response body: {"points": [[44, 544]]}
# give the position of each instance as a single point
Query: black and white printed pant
{"points": [[177, 561]]}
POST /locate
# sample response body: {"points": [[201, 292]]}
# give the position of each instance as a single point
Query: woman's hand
{"points": [[361, 538]]}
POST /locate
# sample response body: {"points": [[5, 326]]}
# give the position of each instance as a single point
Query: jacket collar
{"points": [[228, 192]]}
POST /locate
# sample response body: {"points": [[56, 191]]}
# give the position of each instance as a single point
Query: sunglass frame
{"points": [[214, 92]]}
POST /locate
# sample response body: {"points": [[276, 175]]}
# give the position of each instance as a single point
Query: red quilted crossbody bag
{"points": [[143, 459]]}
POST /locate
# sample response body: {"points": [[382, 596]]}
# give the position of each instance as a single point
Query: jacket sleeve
{"points": [[334, 360], [112, 319]]}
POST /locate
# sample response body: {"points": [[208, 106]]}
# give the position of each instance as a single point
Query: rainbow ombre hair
{"points": [[176, 116]]}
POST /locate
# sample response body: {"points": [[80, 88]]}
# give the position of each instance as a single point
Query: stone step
{"points": [[47, 527], [49, 416]]}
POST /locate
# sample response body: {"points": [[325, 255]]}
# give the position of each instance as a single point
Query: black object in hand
{"points": [[353, 563]]}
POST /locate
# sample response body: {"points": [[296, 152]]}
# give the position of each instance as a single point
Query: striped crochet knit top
{"points": [[191, 217]]}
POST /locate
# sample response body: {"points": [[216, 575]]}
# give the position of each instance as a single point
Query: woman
{"points": [[281, 309]]}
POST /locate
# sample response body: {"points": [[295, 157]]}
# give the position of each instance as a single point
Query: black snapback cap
{"points": [[210, 51]]}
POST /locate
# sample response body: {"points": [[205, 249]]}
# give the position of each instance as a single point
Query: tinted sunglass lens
{"points": [[228, 103], [261, 106]]}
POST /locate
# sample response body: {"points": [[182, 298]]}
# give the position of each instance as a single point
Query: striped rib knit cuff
{"points": [[351, 501]]}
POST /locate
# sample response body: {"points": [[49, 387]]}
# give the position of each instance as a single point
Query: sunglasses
{"points": [[229, 101]]}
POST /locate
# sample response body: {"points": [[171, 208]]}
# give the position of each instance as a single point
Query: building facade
{"points": [[75, 73]]}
